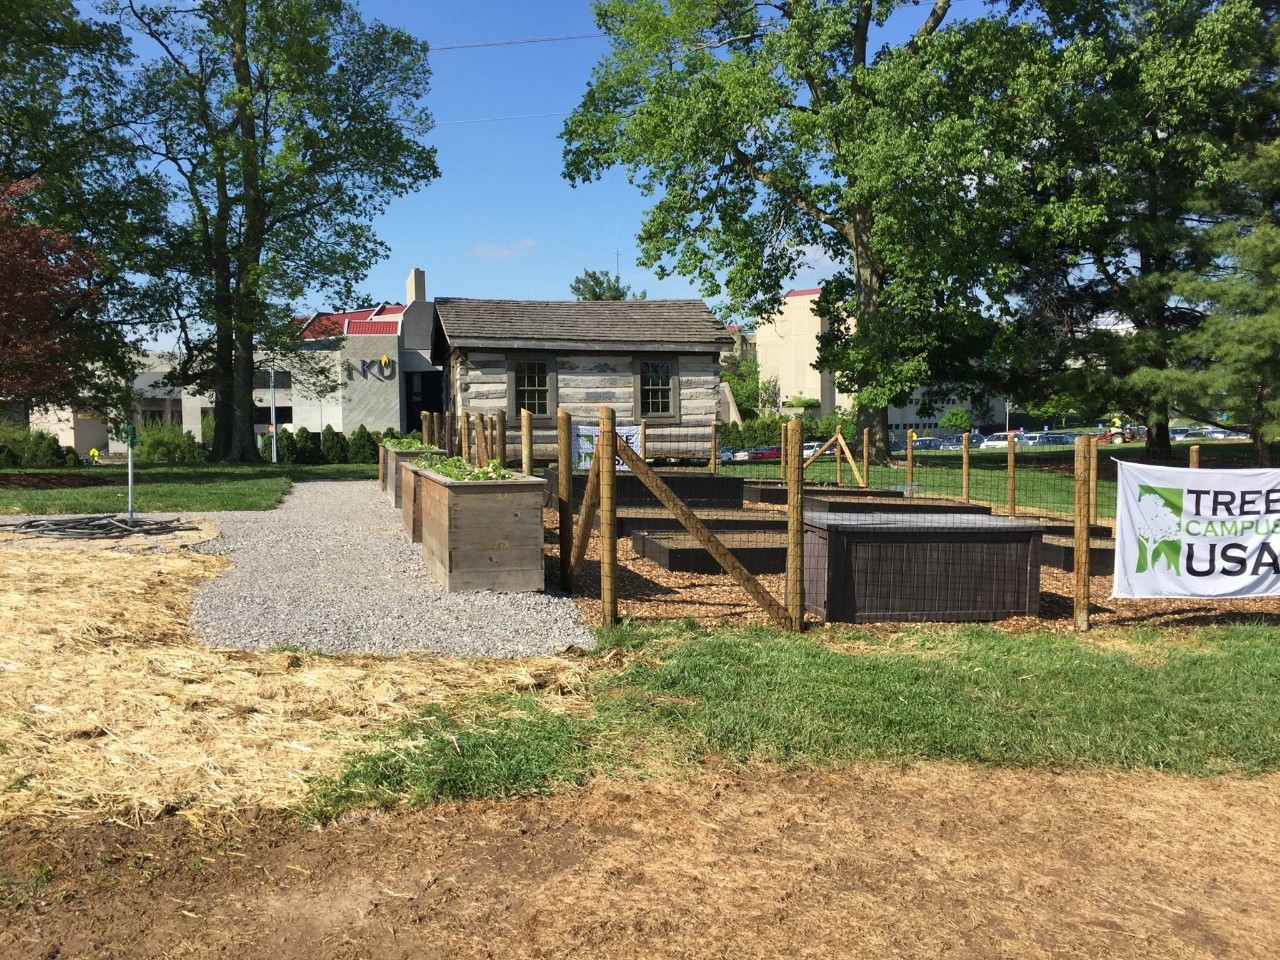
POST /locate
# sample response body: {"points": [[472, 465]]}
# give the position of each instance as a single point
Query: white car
{"points": [[1002, 439]]}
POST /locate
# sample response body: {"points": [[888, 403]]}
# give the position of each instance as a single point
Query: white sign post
{"points": [[1196, 533]]}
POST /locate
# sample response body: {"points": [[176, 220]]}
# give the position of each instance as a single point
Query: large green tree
{"points": [[1110, 206], [74, 206], [749, 123], [601, 285], [286, 127]]}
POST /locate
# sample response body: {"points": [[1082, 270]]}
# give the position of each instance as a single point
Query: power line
{"points": [[526, 116], [512, 43]]}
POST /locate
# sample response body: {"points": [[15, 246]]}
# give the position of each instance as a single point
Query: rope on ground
{"points": [[104, 527]]}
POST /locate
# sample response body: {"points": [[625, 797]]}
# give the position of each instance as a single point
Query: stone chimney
{"points": [[415, 288]]}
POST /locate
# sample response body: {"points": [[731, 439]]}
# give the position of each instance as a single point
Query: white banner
{"points": [[1196, 533], [584, 444]]}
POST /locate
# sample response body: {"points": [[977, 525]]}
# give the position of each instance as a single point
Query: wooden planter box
{"points": [[860, 568], [411, 501], [481, 534], [389, 474]]}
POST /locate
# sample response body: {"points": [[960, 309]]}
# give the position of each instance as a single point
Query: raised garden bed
{"points": [[860, 568], [389, 461], [827, 503], [696, 489], [632, 519], [774, 491], [481, 534], [1060, 552], [759, 552]]}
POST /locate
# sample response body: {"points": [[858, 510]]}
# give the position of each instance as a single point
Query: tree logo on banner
{"points": [[1158, 525]]}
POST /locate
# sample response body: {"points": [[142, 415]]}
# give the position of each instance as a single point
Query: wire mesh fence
{"points": [[928, 534]]}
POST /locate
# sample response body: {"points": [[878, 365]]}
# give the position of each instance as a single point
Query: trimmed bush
{"points": [[42, 450], [8, 456], [286, 446], [361, 446], [164, 441], [306, 447], [333, 445]]}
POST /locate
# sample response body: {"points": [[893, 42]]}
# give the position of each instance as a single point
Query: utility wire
{"points": [[512, 43]]}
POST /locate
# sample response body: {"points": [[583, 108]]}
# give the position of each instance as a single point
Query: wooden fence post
{"points": [[426, 433], [500, 427], [714, 463], [482, 441], [608, 455], [464, 436], [866, 457], [782, 450], [911, 465], [586, 518], [644, 440], [1093, 479], [448, 444], [1083, 514], [435, 431], [1010, 492], [839, 453], [526, 443], [795, 525], [964, 468], [564, 502], [1194, 457]]}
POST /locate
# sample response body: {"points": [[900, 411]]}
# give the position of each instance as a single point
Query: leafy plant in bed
{"points": [[394, 452]]}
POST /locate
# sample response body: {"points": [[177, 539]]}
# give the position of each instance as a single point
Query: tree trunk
{"points": [[244, 443]]}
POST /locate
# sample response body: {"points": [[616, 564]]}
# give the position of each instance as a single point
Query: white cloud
{"points": [[507, 251]]}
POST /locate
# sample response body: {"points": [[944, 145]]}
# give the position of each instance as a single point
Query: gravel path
{"points": [[332, 569]]}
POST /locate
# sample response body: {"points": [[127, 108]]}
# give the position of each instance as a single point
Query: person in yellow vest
{"points": [[93, 454], [911, 437]]}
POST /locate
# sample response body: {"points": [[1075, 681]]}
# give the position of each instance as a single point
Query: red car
{"points": [[766, 453]]}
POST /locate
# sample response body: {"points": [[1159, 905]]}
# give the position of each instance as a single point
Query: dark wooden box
{"points": [[860, 568], [694, 488]]}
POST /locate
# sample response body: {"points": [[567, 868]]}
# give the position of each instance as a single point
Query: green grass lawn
{"points": [[161, 488], [1204, 703]]}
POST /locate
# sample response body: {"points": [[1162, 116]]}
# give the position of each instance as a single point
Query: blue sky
{"points": [[501, 221]]}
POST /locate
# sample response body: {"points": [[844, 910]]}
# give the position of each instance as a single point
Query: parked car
{"points": [[897, 446], [727, 454], [766, 453], [1051, 440], [741, 455], [810, 448], [1002, 439], [926, 443], [955, 443], [1220, 433]]}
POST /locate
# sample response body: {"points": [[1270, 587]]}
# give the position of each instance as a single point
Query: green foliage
{"points": [[957, 420], [761, 432], [601, 285], [164, 441], [206, 429], [407, 443], [362, 447], [803, 403], [286, 446], [306, 447], [9, 457], [333, 445], [455, 468], [390, 433], [42, 450], [742, 374]]}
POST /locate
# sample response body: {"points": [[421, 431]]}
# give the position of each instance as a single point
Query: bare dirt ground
{"points": [[928, 861]]}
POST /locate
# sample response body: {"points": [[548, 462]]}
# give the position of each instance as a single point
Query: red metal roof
{"points": [[354, 323], [812, 292], [373, 328]]}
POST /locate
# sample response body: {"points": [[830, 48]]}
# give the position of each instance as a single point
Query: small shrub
{"points": [[361, 446], [206, 429], [306, 447], [164, 441], [264, 447], [333, 445], [286, 446], [8, 456], [42, 450], [391, 433]]}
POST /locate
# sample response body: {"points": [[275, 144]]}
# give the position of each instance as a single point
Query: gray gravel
{"points": [[332, 569]]}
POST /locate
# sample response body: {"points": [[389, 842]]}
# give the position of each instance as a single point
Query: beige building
{"points": [[786, 346]]}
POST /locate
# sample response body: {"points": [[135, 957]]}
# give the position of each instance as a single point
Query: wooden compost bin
{"points": [[389, 474], [865, 567], [482, 534]]}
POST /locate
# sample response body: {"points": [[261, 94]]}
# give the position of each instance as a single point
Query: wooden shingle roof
{"points": [[660, 325]]}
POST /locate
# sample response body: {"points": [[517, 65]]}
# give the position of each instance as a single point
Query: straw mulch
{"points": [[109, 706]]}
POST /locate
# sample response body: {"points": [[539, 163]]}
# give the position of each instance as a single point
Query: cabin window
{"points": [[532, 386], [657, 389]]}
